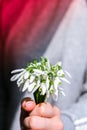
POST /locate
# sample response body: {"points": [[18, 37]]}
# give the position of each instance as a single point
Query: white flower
{"points": [[64, 79], [17, 70], [60, 73], [41, 76], [38, 72], [26, 85], [55, 95], [68, 74], [36, 86], [31, 87], [47, 95], [32, 77], [26, 75], [59, 63], [43, 88], [57, 82], [20, 81], [47, 83], [17, 76], [48, 64]]}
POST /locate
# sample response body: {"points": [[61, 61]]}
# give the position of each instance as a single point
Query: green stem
{"points": [[39, 98]]}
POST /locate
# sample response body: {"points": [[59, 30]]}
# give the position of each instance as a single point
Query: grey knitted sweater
{"points": [[60, 34]]}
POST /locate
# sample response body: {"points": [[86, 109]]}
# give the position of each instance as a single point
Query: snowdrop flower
{"points": [[60, 73], [42, 79], [43, 88], [68, 74], [57, 82], [55, 95], [32, 78], [26, 75], [38, 72], [36, 86], [20, 81], [26, 85], [17, 76], [64, 79], [31, 87], [48, 64], [47, 83], [17, 70]]}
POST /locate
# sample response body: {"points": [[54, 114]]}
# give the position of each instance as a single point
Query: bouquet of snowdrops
{"points": [[41, 78]]}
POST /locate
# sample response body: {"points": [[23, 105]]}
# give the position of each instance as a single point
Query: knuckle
{"points": [[57, 111], [41, 111]]}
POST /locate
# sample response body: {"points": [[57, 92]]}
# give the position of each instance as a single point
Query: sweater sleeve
{"points": [[68, 123], [76, 116], [74, 105]]}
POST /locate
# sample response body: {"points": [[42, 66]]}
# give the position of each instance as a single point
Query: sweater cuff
{"points": [[68, 123]]}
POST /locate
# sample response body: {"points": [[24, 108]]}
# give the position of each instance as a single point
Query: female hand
{"points": [[43, 116]]}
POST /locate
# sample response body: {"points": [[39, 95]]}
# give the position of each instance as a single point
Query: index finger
{"points": [[45, 110]]}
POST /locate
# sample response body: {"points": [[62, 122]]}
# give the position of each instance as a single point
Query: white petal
{"points": [[47, 83], [59, 81], [47, 94], [26, 85], [64, 79], [38, 71], [68, 74], [19, 82], [60, 72], [56, 83], [38, 63], [37, 86], [51, 89], [48, 64], [55, 95], [43, 87], [63, 93], [16, 76], [61, 89], [17, 70], [38, 82], [60, 63], [32, 78], [26, 75], [36, 74], [31, 86]]}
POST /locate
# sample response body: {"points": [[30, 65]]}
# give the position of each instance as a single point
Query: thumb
{"points": [[27, 105]]}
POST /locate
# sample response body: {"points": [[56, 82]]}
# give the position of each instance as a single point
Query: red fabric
{"points": [[11, 9]]}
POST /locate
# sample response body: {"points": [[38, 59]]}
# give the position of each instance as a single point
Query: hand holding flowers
{"points": [[43, 80], [42, 116]]}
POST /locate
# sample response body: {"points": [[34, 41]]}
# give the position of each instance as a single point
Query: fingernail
{"points": [[26, 99], [27, 104]]}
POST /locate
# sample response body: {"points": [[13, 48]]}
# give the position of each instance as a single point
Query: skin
{"points": [[43, 116]]}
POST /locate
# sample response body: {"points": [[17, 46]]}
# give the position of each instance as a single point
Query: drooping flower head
{"points": [[41, 78]]}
